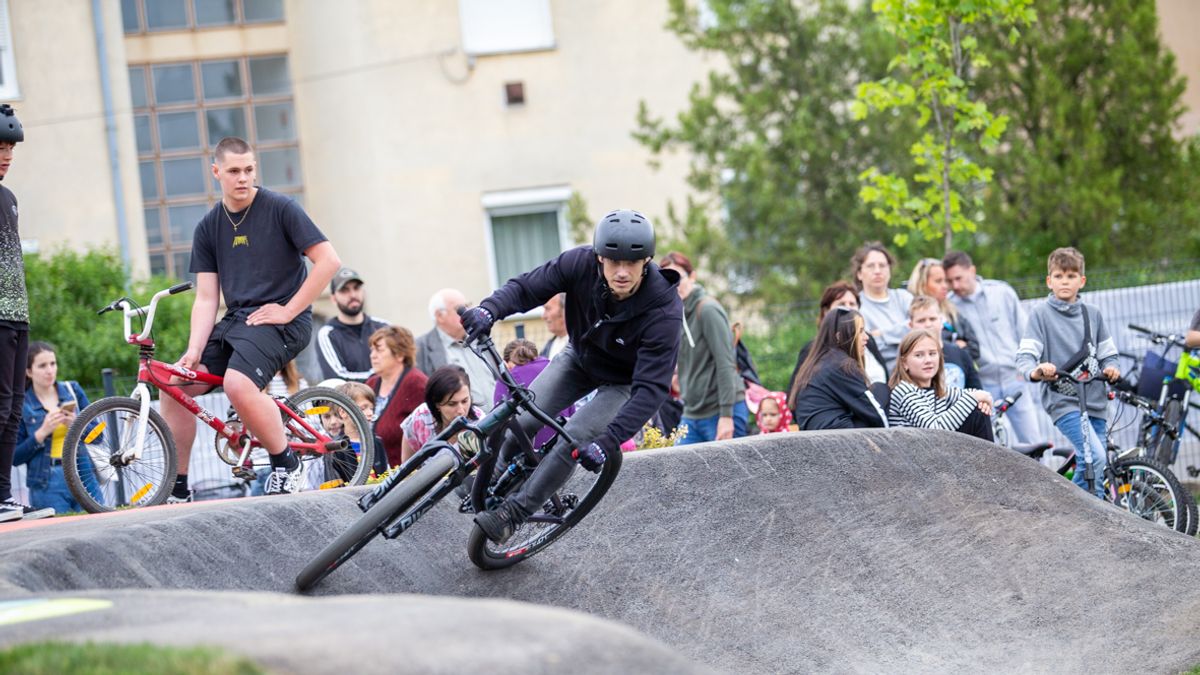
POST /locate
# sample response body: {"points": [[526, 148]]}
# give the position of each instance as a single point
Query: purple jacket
{"points": [[525, 375]]}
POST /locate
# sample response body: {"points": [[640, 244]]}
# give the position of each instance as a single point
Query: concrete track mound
{"points": [[881, 551]]}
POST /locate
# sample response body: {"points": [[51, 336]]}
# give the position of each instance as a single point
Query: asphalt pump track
{"points": [[870, 551]]}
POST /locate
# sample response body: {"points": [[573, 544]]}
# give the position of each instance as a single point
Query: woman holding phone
{"points": [[49, 409]]}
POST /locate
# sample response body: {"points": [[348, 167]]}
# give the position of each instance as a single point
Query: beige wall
{"points": [[61, 174], [1179, 21], [400, 140]]}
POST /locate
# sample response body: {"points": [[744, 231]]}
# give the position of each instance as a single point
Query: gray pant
{"points": [[562, 383]]}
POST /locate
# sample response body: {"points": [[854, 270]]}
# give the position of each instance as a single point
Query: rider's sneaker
{"points": [[174, 499], [499, 523], [13, 510], [281, 481]]}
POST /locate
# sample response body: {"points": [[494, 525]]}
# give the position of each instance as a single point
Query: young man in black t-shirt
{"points": [[250, 248]]}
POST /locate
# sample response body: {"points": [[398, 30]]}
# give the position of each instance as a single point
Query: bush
{"points": [[66, 289]]}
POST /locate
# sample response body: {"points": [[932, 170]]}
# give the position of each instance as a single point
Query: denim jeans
{"points": [[55, 495], [1069, 426], [704, 429]]}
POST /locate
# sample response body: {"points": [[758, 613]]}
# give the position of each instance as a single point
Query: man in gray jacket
{"points": [[443, 346], [994, 309], [714, 395]]}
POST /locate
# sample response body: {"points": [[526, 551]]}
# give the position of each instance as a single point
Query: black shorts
{"points": [[258, 352]]}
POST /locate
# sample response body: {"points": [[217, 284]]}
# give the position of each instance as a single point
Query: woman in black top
{"points": [[843, 294], [831, 389]]}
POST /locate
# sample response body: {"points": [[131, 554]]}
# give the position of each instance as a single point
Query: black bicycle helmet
{"points": [[10, 126], [624, 235]]}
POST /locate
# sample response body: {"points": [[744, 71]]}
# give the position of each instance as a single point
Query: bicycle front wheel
{"points": [[559, 514], [1149, 490], [399, 499], [335, 415], [97, 474]]}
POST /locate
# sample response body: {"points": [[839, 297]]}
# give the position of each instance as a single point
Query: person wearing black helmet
{"points": [[623, 318], [14, 323]]}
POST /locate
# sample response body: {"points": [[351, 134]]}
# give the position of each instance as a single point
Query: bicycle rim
{"points": [[97, 476], [578, 496], [394, 504], [1150, 491], [331, 413]]}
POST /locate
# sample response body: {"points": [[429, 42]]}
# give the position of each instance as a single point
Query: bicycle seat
{"points": [[1034, 450]]}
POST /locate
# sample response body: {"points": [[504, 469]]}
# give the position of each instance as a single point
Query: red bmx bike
{"points": [[119, 452]]}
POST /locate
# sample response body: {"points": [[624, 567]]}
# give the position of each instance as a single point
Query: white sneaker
{"points": [[8, 513], [281, 481], [22, 511], [172, 499]]}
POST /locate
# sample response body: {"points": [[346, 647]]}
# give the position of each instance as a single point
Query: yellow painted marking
{"points": [[95, 432], [329, 485], [21, 611], [140, 493], [317, 410], [1124, 487]]}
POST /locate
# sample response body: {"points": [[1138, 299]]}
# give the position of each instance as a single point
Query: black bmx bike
{"points": [[1135, 483], [441, 469]]}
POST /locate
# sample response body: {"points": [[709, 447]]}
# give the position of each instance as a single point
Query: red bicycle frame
{"points": [[158, 374]]}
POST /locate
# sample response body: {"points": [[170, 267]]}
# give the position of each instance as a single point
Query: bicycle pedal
{"points": [[244, 473], [465, 505]]}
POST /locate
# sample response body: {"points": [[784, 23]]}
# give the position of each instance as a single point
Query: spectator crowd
{"points": [[937, 353]]}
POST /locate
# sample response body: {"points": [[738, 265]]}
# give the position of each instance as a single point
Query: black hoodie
{"points": [[638, 345]]}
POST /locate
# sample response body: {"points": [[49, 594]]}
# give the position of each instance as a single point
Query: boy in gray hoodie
{"points": [[1069, 335]]}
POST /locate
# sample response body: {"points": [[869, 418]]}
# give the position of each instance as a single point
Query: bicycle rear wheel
{"points": [[1149, 490], [333, 414], [99, 479], [563, 511], [399, 499]]}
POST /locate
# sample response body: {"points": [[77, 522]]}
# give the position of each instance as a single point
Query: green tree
{"points": [[931, 77], [66, 288], [775, 157], [1092, 159]]}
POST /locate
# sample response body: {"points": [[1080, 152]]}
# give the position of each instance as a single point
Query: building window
{"points": [[9, 91], [505, 26], [525, 229], [154, 16], [180, 112]]}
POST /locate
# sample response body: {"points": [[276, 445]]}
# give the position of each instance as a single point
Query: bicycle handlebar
{"points": [[129, 310], [484, 346], [1157, 337]]}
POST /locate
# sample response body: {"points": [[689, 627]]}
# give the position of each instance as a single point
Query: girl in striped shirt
{"points": [[921, 398]]}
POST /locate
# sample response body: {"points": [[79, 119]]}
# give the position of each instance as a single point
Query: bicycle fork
{"points": [[142, 393]]}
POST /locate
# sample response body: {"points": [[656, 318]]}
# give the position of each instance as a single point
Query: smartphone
{"points": [[69, 406]]}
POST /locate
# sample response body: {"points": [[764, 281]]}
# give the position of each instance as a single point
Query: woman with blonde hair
{"points": [[921, 398], [929, 278], [831, 390]]}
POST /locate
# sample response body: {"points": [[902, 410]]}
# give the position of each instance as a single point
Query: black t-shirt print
{"points": [[263, 261]]}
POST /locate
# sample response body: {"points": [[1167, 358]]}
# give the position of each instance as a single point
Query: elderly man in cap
{"points": [[344, 344]]}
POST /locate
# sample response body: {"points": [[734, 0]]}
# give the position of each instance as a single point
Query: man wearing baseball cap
{"points": [[343, 344]]}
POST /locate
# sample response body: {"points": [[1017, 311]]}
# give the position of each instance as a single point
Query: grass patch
{"points": [[53, 658]]}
